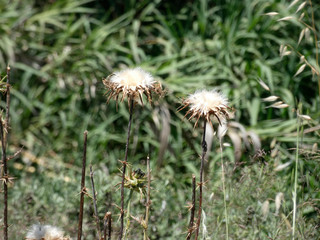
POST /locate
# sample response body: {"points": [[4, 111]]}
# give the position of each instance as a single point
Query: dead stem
{"points": [[107, 226], [84, 159], [95, 203], [7, 123], [5, 183], [148, 203], [193, 207], [204, 151], [124, 167], [4, 129]]}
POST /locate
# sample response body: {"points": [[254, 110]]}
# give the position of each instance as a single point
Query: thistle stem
{"points": [[5, 183], [224, 192], [84, 159], [95, 203], [192, 210], [204, 151], [145, 229], [124, 168], [4, 130], [107, 226]]}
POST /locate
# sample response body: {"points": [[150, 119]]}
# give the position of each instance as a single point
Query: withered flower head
{"points": [[131, 83], [207, 104]]}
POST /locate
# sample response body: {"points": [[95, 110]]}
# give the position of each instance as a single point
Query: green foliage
{"points": [[59, 51]]}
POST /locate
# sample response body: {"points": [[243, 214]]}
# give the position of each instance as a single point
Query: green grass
{"points": [[60, 51]]}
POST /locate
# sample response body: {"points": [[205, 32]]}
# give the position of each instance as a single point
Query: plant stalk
{"points": [[7, 121], [145, 229], [5, 183], [224, 192], [124, 167], [107, 226], [316, 43], [192, 210], [295, 182], [4, 130], [84, 159], [95, 203], [204, 151]]}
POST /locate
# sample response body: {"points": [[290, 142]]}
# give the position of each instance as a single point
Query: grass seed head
{"points": [[131, 83], [211, 105]]}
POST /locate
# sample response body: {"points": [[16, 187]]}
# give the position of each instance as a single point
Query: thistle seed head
{"points": [[46, 232], [131, 83], [211, 105]]}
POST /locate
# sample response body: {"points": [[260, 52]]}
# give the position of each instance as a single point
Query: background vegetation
{"points": [[59, 51]]}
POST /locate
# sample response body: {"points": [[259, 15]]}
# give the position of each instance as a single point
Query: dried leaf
{"points": [[236, 141], [307, 33], [282, 166], [270, 99], [314, 148], [278, 200], [286, 53], [271, 13], [222, 130], [305, 117], [300, 70], [255, 141], [281, 49], [293, 3], [285, 18], [301, 16], [281, 106], [301, 35], [265, 86], [301, 6]]}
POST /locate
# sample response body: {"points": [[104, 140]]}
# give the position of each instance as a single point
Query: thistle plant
{"points": [[131, 84], [211, 106]]}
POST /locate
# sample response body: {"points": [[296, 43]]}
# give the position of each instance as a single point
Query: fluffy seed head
{"points": [[207, 104], [46, 232], [131, 83]]}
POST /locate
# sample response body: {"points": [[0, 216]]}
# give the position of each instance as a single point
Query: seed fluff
{"points": [[131, 83], [210, 105]]}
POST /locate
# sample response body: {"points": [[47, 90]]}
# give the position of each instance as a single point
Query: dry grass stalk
{"points": [[4, 131], [148, 203], [83, 190], [107, 227], [193, 208], [96, 216]]}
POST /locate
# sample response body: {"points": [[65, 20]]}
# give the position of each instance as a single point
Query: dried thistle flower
{"points": [[136, 181], [131, 83], [46, 232], [207, 104]]}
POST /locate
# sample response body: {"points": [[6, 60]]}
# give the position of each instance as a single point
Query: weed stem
{"points": [[95, 203], [148, 203], [224, 192], [204, 151], [193, 207], [295, 181], [84, 159], [124, 167], [4, 130]]}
